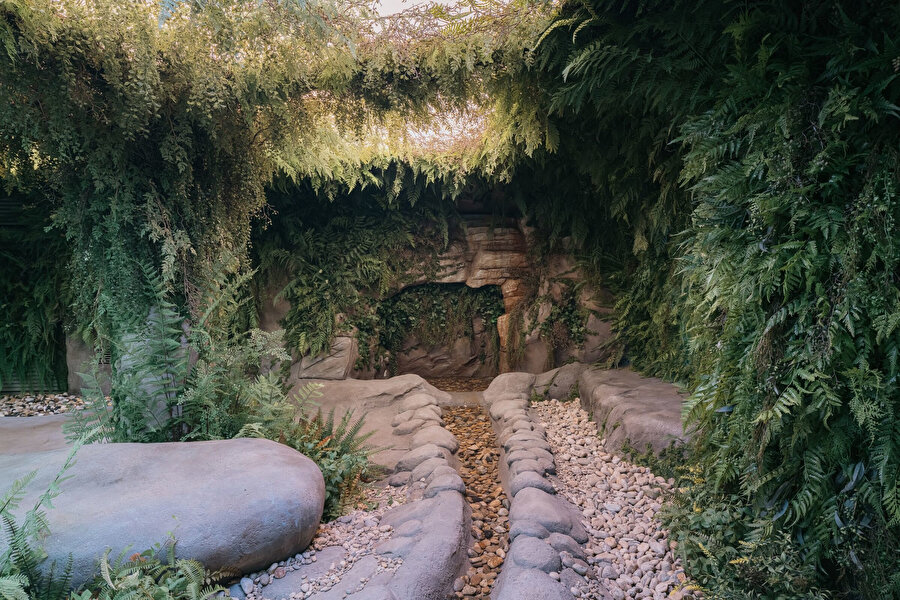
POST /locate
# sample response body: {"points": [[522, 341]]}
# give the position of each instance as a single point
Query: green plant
{"points": [[144, 575], [22, 575]]}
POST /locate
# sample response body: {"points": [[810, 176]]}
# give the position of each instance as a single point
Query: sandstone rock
{"points": [[237, 504], [334, 364]]}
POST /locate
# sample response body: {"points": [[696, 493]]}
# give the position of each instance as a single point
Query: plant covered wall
{"points": [[729, 168]]}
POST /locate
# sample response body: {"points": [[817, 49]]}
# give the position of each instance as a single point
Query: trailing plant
{"points": [[438, 315], [35, 297]]}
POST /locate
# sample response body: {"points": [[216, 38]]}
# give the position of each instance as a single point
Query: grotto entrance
{"points": [[439, 331]]}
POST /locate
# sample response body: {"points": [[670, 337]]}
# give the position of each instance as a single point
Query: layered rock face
{"points": [[489, 253]]}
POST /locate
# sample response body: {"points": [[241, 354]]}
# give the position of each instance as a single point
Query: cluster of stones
{"points": [[38, 405], [545, 559], [480, 458], [336, 548], [410, 547], [619, 501]]}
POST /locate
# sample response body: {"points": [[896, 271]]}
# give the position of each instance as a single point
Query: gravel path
{"points": [[619, 502], [338, 544], [38, 405], [480, 456]]}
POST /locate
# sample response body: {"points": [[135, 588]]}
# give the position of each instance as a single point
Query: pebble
{"points": [[38, 405], [618, 502]]}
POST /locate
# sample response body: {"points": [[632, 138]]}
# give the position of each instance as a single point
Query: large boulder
{"points": [[233, 504], [629, 407]]}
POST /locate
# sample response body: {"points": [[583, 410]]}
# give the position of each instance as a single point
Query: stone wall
{"points": [[489, 252]]}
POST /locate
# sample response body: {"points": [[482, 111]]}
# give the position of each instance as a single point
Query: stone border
{"points": [[431, 532], [545, 556]]}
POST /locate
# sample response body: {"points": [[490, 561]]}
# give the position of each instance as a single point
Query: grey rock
{"points": [[533, 553], [530, 479], [336, 363], [439, 471], [415, 457], [528, 584], [398, 479], [408, 528], [499, 409], [435, 435], [527, 527], [643, 410], [523, 466], [408, 427], [134, 495], [562, 542], [425, 468], [397, 546], [402, 417], [428, 570], [516, 383], [445, 483], [553, 513], [417, 401]]}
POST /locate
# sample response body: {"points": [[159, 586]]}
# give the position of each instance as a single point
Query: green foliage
{"points": [[35, 294], [144, 575], [338, 449], [766, 136], [22, 575], [438, 315]]}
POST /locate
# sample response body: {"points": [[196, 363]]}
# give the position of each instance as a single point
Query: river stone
{"points": [[402, 417], [523, 466], [398, 479], [436, 435], [450, 481], [562, 542], [529, 479], [237, 504], [415, 457], [426, 467], [417, 401], [533, 553], [528, 584], [527, 527], [408, 427]]}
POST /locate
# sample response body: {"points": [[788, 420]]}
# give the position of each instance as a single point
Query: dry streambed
{"points": [[479, 455]]}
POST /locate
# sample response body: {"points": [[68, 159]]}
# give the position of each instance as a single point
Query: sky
{"points": [[389, 7]]}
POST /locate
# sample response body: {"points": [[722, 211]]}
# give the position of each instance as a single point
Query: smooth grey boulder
{"points": [[437, 435], [528, 584], [429, 569], [237, 504], [442, 483], [552, 512], [501, 409], [562, 542], [426, 467], [529, 479], [627, 406], [416, 401], [415, 457], [559, 383], [533, 553], [527, 527], [509, 383]]}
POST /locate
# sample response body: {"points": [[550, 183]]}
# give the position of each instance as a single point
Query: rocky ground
{"points": [[460, 384], [36, 405], [480, 455], [337, 546], [619, 501]]}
